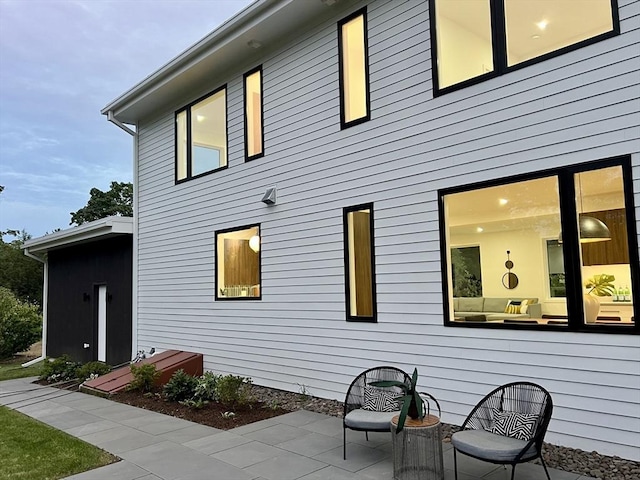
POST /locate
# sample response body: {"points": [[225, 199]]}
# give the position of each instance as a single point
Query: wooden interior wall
{"points": [[362, 257], [241, 265], [610, 252]]}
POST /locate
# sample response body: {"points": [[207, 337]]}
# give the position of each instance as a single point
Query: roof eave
{"points": [[98, 229]]}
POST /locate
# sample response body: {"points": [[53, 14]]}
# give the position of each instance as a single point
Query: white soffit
{"points": [[86, 232], [211, 59]]}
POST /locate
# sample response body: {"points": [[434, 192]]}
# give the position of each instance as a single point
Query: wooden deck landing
{"points": [[166, 362]]}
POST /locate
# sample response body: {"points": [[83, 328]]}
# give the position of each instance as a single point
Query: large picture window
{"points": [[478, 39], [238, 263], [568, 235], [359, 263], [201, 136], [354, 69], [253, 115]]}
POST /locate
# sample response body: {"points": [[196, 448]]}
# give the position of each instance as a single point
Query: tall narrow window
{"points": [[354, 69], [253, 116], [238, 263], [201, 136], [359, 262]]}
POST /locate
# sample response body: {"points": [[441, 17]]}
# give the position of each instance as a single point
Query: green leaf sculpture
{"points": [[412, 404], [601, 285]]}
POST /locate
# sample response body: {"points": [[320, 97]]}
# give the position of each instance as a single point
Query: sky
{"points": [[61, 62]]}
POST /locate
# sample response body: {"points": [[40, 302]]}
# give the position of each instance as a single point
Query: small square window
{"points": [[238, 263]]}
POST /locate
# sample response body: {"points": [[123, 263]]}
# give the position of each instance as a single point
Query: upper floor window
{"points": [[559, 250], [478, 39], [201, 136], [238, 263], [359, 263], [354, 69], [253, 115]]}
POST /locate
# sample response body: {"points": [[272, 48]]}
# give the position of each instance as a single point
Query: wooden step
{"points": [[166, 362]]}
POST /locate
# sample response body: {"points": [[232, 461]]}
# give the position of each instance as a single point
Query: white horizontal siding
{"points": [[577, 107]]}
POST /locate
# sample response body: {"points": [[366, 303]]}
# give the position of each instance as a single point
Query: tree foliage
{"points": [[118, 200], [20, 324], [19, 273]]}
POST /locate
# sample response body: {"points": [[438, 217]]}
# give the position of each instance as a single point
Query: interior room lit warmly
{"points": [[238, 263], [353, 65], [524, 217], [533, 28]]}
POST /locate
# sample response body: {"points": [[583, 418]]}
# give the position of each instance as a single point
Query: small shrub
{"points": [[20, 324], [59, 369], [232, 390], [180, 387], [193, 403], [206, 387], [144, 377], [93, 370]]}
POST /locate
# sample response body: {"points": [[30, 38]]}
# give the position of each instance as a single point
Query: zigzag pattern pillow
{"points": [[516, 306], [513, 424], [379, 400]]}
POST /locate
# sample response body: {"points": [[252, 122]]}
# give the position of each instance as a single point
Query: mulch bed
{"points": [[211, 414]]}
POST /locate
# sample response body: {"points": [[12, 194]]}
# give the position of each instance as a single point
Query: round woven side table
{"points": [[417, 449]]}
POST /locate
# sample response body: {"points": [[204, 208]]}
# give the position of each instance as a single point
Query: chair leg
{"points": [[344, 443], [366, 435], [455, 464], [545, 467], [513, 470]]}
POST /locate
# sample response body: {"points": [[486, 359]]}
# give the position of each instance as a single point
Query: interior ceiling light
{"points": [[254, 243], [542, 24], [479, 229], [535, 37], [503, 201], [200, 118]]}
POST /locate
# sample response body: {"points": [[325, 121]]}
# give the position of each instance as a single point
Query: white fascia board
{"points": [[114, 225]]}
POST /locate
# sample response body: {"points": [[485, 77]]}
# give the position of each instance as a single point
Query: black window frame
{"points": [[215, 253], [187, 110], [247, 157], [343, 123], [571, 256], [347, 279], [499, 40]]}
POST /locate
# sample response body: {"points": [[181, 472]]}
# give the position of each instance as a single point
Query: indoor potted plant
{"points": [[599, 286]]}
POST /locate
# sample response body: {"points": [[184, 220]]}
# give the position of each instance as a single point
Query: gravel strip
{"points": [[572, 460]]}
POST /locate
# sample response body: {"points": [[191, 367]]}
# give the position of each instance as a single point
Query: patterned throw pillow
{"points": [[513, 424], [380, 400], [516, 306]]}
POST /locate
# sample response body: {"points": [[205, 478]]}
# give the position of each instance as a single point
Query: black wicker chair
{"points": [[355, 417], [523, 409]]}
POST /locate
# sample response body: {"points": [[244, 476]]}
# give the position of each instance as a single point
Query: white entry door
{"points": [[102, 323]]}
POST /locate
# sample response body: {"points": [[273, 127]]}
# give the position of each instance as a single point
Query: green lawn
{"points": [[11, 369], [31, 450]]}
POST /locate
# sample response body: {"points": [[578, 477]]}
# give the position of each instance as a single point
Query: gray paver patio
{"points": [[297, 446]]}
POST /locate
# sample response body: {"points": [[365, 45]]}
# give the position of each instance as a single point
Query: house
{"points": [[324, 186], [87, 290]]}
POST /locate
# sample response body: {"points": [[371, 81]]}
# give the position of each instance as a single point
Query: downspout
{"points": [[134, 267], [45, 299]]}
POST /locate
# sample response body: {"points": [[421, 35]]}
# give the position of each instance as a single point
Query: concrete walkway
{"points": [[297, 446]]}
